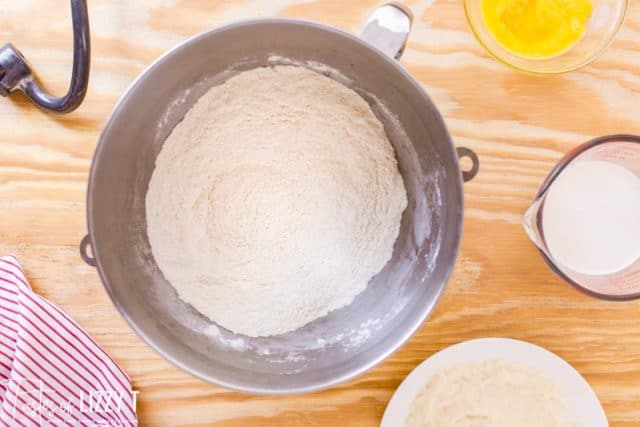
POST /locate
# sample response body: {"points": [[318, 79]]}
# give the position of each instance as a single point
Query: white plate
{"points": [[583, 406]]}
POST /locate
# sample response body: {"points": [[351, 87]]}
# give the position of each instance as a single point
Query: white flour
{"points": [[274, 201], [591, 217], [492, 393]]}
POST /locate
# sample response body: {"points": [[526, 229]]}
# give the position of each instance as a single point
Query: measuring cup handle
{"points": [[468, 175], [15, 73]]}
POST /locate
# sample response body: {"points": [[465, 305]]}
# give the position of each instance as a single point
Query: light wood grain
{"points": [[520, 125]]}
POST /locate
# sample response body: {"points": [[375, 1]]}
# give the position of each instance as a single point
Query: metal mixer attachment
{"points": [[15, 73]]}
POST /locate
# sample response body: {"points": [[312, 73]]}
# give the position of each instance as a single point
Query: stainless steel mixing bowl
{"points": [[348, 341]]}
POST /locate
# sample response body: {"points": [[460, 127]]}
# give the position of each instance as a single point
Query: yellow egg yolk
{"points": [[537, 28]]}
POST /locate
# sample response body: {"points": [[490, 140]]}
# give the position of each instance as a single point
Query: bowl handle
{"points": [[85, 243], [388, 28], [15, 73], [475, 163]]}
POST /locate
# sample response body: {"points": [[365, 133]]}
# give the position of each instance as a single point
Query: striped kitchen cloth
{"points": [[51, 372]]}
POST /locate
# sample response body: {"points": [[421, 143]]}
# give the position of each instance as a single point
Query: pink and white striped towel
{"points": [[51, 372]]}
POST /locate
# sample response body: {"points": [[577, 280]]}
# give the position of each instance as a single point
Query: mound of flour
{"points": [[274, 201], [493, 393]]}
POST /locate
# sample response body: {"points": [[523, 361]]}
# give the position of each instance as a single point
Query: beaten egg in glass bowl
{"points": [[545, 36]]}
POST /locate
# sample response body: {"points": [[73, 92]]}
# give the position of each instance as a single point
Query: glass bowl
{"points": [[604, 23]]}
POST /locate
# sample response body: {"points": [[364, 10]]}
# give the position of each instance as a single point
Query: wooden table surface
{"points": [[520, 125]]}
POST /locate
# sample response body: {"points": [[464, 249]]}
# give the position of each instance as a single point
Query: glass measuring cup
{"points": [[623, 150]]}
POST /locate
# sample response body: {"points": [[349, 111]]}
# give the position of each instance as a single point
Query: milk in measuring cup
{"points": [[591, 217]]}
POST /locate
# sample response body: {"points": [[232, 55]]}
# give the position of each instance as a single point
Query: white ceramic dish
{"points": [[582, 404]]}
